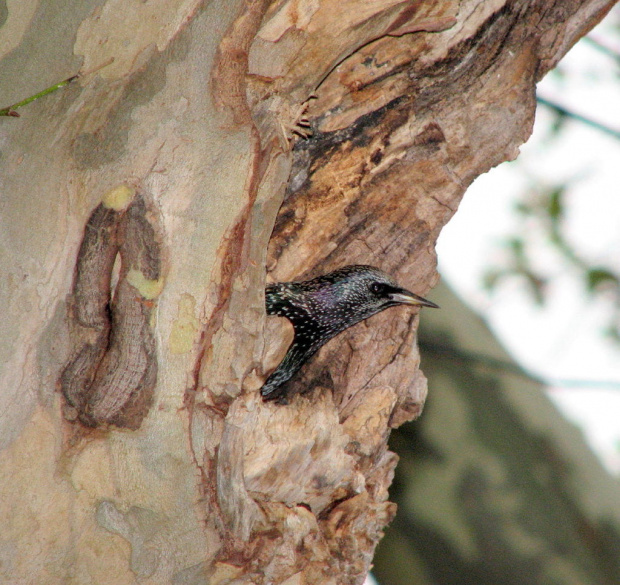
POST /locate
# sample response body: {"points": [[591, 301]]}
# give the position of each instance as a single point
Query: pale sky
{"points": [[563, 341]]}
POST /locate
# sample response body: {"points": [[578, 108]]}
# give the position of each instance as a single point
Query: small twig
{"points": [[504, 366], [11, 110], [583, 119], [602, 47]]}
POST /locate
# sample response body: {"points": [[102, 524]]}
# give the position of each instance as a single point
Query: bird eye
{"points": [[377, 288]]}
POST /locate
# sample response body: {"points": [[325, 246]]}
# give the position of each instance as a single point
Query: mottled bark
{"points": [[198, 115]]}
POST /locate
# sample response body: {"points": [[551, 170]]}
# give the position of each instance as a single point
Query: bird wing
{"points": [[298, 353]]}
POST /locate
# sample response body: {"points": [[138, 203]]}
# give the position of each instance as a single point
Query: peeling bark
{"points": [[193, 478]]}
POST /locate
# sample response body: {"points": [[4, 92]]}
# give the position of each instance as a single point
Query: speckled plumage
{"points": [[321, 308]]}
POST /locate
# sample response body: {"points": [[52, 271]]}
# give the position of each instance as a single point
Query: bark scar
{"points": [[111, 375]]}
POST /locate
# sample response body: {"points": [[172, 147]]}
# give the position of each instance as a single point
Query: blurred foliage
{"points": [[544, 208], [541, 210]]}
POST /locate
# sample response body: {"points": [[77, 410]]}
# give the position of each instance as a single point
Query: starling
{"points": [[321, 308]]}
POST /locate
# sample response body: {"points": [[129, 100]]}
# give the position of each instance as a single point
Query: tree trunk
{"points": [[494, 484], [138, 206]]}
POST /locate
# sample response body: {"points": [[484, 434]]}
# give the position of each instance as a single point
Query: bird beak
{"points": [[408, 298]]}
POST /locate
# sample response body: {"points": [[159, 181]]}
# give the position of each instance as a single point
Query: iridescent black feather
{"points": [[321, 308]]}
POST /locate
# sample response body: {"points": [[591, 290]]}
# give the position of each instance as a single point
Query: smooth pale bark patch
{"points": [[213, 483]]}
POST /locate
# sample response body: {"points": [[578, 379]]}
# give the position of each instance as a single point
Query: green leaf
{"points": [[555, 204], [491, 279], [516, 245], [596, 277]]}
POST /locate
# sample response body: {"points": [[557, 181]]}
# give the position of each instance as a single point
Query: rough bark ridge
{"points": [[192, 479], [402, 123]]}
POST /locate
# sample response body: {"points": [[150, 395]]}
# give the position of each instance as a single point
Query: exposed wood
{"points": [[201, 110]]}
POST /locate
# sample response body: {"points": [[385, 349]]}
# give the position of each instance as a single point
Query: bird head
{"points": [[362, 291]]}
